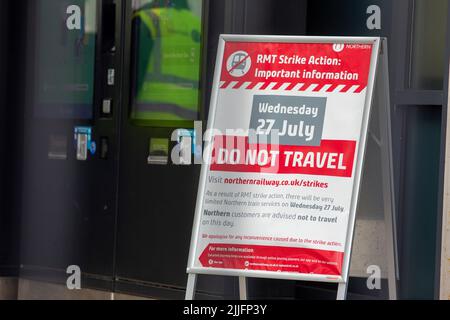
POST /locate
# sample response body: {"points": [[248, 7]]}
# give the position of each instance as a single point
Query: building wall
{"points": [[4, 212], [445, 250], [11, 112]]}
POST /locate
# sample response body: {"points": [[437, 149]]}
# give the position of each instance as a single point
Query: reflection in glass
{"points": [[166, 70], [65, 59], [428, 48]]}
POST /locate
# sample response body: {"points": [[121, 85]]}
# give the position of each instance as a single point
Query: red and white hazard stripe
{"points": [[288, 86]]}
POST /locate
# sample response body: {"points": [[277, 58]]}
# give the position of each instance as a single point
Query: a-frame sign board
{"points": [[287, 135]]}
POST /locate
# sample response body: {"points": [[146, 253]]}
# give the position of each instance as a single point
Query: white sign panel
{"points": [[288, 119]]}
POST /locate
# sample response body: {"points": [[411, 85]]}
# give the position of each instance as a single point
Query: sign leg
{"points": [[392, 275], [243, 288], [387, 168], [342, 291], [191, 285]]}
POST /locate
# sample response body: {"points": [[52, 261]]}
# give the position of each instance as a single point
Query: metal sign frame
{"points": [[359, 162]]}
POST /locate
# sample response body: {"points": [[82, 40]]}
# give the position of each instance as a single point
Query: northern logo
{"points": [[338, 47]]}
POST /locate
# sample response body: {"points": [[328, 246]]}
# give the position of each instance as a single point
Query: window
{"points": [[65, 59], [428, 44], [166, 61]]}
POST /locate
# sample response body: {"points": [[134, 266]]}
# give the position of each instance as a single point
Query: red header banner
{"points": [[296, 66]]}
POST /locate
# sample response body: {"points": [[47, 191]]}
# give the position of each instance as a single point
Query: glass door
{"points": [[69, 172], [162, 93]]}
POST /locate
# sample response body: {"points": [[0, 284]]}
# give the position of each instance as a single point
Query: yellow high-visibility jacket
{"points": [[170, 87]]}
